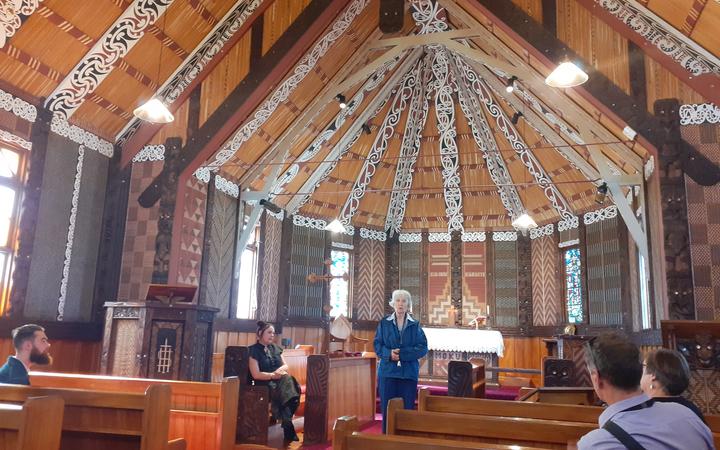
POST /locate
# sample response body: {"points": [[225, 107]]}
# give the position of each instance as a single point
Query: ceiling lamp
{"points": [[601, 194], [154, 111], [341, 100], [516, 117], [524, 222], [335, 227], [366, 128], [566, 75], [510, 85]]}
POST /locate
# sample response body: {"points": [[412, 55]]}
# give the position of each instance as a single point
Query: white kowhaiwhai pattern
{"points": [[70, 234]]}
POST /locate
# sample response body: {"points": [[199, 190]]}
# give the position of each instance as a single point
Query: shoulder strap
{"points": [[623, 436]]}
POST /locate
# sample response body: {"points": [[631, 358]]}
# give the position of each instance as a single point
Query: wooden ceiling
{"points": [[46, 49]]}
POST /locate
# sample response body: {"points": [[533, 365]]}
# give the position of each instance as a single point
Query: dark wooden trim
{"points": [[307, 322], [261, 263], [171, 193], [30, 210], [638, 83], [456, 288], [582, 237], [237, 253], [625, 296], [284, 270], [193, 122], [549, 16], [392, 268], [256, 40], [70, 331], [525, 305], [490, 278], [147, 130]]}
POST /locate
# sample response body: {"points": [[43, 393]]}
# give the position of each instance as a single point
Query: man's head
{"points": [[614, 365], [31, 342]]}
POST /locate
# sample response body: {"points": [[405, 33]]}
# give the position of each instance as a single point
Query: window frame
{"points": [[583, 284], [351, 268]]}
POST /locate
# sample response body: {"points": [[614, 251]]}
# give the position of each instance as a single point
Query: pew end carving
{"points": [[557, 372], [19, 428], [466, 378]]}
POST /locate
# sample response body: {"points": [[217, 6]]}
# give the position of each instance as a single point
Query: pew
{"points": [[204, 414], [296, 360], [347, 437], [337, 387], [561, 395], [35, 425], [553, 434], [95, 420], [466, 378]]}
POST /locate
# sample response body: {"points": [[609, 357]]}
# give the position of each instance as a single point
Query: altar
{"points": [[460, 344]]}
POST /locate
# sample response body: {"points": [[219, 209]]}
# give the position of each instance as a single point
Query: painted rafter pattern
{"points": [[117, 41], [409, 150], [380, 145], [10, 12], [429, 16], [196, 62], [478, 86], [445, 113]]}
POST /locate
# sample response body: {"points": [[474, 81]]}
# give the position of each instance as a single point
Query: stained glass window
{"points": [[573, 288], [339, 288]]}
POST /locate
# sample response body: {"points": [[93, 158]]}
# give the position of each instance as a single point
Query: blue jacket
{"points": [[14, 372], [413, 346]]}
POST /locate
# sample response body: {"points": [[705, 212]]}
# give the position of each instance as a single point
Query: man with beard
{"points": [[31, 347]]}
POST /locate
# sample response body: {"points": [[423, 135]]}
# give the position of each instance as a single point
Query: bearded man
{"points": [[31, 348]]}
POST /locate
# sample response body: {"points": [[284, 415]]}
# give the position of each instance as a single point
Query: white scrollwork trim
{"points": [[439, 237], [61, 127], [343, 245], [504, 236], [278, 216], [474, 236], [309, 222], [649, 167], [70, 234], [699, 113], [569, 243], [546, 230], [10, 12], [569, 224], [227, 186], [366, 233], [13, 139], [410, 237], [600, 214], [117, 41], [150, 153], [15, 105], [429, 17]]}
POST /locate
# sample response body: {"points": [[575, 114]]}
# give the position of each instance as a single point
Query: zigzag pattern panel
{"points": [[547, 298], [267, 309], [378, 278], [191, 235], [307, 256], [603, 273], [474, 301], [439, 302], [410, 272], [220, 245], [506, 284]]}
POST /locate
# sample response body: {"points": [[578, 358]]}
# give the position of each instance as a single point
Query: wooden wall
{"points": [[68, 356], [523, 353]]}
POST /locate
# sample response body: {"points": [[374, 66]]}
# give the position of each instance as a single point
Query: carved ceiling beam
{"points": [[417, 40], [351, 135], [14, 13]]}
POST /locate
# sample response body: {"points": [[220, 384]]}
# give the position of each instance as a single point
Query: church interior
{"points": [[534, 173]]}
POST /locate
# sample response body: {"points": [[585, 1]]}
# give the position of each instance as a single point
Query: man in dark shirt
{"points": [[31, 347]]}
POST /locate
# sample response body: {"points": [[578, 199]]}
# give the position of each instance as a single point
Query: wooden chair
{"points": [[35, 425]]}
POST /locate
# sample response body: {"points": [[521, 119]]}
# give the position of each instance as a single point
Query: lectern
{"points": [[156, 339]]}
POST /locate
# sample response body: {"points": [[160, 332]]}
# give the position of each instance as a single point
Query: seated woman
{"points": [[268, 368], [666, 375]]}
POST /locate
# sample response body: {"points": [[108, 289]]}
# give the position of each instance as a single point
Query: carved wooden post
{"points": [[29, 215], [525, 307], [456, 293], [681, 302]]}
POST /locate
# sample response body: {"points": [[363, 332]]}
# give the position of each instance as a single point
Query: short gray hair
{"points": [[401, 293]]}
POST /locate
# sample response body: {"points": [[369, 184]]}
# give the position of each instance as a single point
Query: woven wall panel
{"points": [[410, 273], [439, 302], [603, 273], [703, 205], [474, 281], [369, 280], [546, 289], [191, 233], [307, 256], [272, 242], [635, 299], [506, 284]]}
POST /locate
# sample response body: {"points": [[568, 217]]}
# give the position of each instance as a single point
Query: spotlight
{"points": [[341, 100], [601, 194], [516, 117], [366, 128], [270, 206], [566, 75], [510, 85]]}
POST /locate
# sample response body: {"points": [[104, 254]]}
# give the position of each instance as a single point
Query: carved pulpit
{"points": [[159, 338], [572, 348]]}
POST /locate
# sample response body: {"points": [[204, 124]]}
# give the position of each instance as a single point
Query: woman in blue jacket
{"points": [[399, 343]]}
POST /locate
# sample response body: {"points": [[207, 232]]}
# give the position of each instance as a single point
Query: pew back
{"points": [[204, 414], [35, 425], [562, 395], [296, 359]]}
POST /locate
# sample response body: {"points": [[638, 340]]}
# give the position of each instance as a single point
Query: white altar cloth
{"points": [[465, 340]]}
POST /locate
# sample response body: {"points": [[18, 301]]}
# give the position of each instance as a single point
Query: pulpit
{"points": [[572, 348], [157, 340], [459, 344]]}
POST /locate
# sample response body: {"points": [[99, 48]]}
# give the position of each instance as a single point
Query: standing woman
{"points": [[268, 368], [399, 343]]}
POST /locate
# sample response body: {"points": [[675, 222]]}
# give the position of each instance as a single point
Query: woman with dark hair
{"points": [[268, 368], [666, 375]]}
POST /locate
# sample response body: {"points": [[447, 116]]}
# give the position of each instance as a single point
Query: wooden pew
{"points": [[35, 425], [347, 437], [553, 434], [466, 378], [96, 420], [296, 360], [561, 395], [337, 387], [204, 414]]}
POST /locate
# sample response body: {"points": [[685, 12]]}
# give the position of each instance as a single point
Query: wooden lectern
{"points": [[160, 337]]}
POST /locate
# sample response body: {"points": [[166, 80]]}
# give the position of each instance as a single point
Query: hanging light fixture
{"points": [[516, 117], [366, 128], [510, 85], [566, 75], [524, 222], [154, 110], [341, 100], [601, 194], [335, 227]]}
